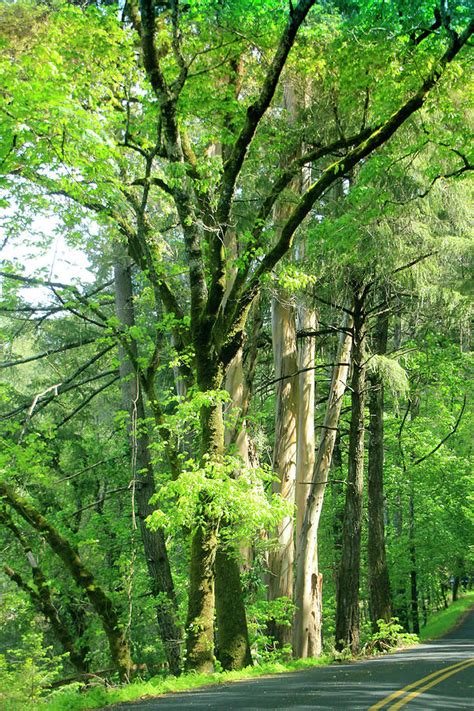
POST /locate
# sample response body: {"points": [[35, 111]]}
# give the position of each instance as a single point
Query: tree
{"points": [[130, 144]]}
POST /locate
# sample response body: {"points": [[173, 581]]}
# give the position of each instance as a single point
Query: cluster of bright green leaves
{"points": [[63, 100]]}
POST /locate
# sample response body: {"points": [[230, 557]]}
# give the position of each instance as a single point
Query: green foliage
{"points": [[390, 636], [79, 122], [108, 696], [440, 623], [259, 614], [391, 373], [26, 672], [222, 489]]}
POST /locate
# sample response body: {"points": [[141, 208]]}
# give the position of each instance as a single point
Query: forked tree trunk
{"points": [[83, 577], [281, 558], [348, 579], [307, 639], [154, 544], [379, 583]]}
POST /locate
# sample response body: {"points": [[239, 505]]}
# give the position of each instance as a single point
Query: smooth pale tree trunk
{"points": [[102, 604], [348, 579], [378, 578], [307, 626], [154, 544], [281, 558], [285, 357], [306, 321]]}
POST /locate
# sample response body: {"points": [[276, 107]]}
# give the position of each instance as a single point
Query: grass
{"points": [[442, 622], [71, 699], [102, 696]]}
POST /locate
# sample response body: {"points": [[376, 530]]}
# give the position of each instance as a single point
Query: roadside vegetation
{"points": [[97, 694], [445, 620]]}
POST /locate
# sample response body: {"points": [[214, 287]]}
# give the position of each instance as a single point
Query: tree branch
{"points": [[45, 354], [377, 138], [450, 434], [256, 110]]}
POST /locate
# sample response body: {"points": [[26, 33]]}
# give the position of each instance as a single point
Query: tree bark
{"points": [[233, 647], [154, 544], [347, 593], [306, 320], [307, 640], [102, 604], [281, 558], [379, 584], [414, 607], [206, 559], [42, 600]]}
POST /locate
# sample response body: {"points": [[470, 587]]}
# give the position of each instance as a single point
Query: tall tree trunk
{"points": [[379, 584], [306, 321], [233, 647], [337, 496], [215, 575], [84, 578], [347, 595], [281, 559], [201, 602], [307, 640], [154, 544], [415, 615]]}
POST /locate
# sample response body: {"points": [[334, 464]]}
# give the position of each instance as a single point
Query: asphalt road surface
{"points": [[438, 675]]}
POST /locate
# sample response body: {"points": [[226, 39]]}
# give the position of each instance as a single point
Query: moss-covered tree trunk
{"points": [[233, 648], [379, 583], [414, 605], [201, 601], [84, 578]]}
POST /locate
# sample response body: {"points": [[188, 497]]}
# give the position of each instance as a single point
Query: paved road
{"points": [[438, 675]]}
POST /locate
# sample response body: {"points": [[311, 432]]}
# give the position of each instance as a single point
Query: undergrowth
{"points": [[76, 697]]}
